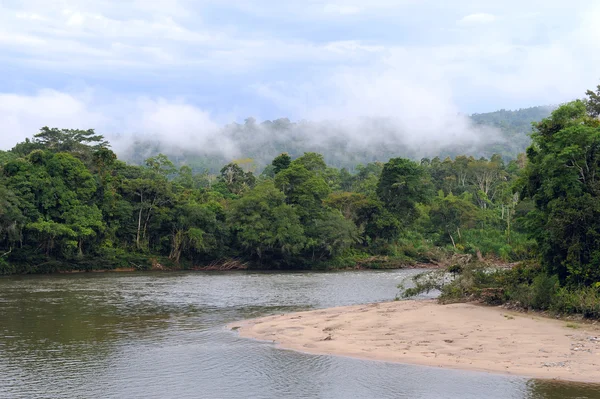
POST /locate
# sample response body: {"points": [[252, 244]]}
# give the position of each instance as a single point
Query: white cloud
{"points": [[394, 103], [174, 123], [75, 18], [24, 115], [385, 61], [476, 19], [30, 16], [341, 9]]}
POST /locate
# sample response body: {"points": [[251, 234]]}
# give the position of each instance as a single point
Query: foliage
{"points": [[236, 179], [266, 227], [506, 133], [561, 178], [66, 202], [526, 286], [281, 162], [402, 185]]}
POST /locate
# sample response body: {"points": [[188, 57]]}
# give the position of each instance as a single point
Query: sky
{"points": [[135, 66]]}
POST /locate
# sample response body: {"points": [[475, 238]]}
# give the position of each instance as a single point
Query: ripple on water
{"points": [[162, 335]]}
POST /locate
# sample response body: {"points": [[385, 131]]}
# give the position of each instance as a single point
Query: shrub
{"points": [[544, 290], [583, 300], [6, 268]]}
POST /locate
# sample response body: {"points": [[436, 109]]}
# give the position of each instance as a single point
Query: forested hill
{"points": [[514, 125], [343, 145]]}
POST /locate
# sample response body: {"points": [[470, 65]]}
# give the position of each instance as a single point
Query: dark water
{"points": [[163, 336]]}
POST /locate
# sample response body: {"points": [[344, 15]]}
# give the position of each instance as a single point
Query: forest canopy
{"points": [[67, 202], [256, 144]]}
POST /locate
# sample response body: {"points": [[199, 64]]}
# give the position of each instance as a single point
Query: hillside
{"points": [[501, 132]]}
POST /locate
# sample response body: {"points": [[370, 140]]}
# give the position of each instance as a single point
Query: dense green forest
{"points": [[68, 203], [560, 183], [506, 133]]}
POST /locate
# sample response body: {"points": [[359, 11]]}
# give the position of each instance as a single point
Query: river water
{"points": [[163, 335]]}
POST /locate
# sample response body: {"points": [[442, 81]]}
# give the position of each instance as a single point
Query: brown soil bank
{"points": [[463, 336]]}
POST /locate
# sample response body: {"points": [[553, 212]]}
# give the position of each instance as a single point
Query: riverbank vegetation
{"points": [[561, 184], [68, 203]]}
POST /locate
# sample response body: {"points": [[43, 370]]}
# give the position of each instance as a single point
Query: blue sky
{"points": [[171, 66]]}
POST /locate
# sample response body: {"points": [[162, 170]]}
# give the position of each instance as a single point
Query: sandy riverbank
{"points": [[463, 336]]}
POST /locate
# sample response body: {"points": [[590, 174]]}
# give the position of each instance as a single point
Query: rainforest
{"points": [[69, 204]]}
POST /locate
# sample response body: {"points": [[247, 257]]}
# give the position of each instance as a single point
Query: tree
{"points": [[367, 178], [486, 176], [187, 233], [161, 165], [56, 193], [151, 194], [304, 189], [331, 236], [562, 178], [313, 162], [349, 204], [450, 213], [11, 219], [402, 185], [281, 162], [235, 179], [593, 102], [48, 232], [265, 226], [80, 143], [85, 221]]}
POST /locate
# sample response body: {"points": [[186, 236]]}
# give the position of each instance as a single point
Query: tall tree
{"points": [[562, 177], [281, 162], [265, 226], [593, 102], [236, 180], [402, 185]]}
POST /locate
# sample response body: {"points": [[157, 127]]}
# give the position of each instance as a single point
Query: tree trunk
{"points": [[137, 238], [177, 246], [453, 244], [508, 225], [148, 214]]}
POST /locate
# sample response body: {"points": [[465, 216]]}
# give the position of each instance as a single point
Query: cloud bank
{"points": [[381, 73]]}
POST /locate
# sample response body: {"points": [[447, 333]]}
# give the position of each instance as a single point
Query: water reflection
{"points": [[162, 336], [540, 389]]}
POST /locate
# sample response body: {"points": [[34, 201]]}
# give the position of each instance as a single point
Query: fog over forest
{"points": [[345, 143]]}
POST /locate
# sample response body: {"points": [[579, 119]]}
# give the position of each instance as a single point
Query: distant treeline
{"points": [[341, 146], [67, 202]]}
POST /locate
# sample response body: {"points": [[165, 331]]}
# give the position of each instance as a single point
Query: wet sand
{"points": [[462, 336]]}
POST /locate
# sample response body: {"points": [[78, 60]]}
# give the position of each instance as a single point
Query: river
{"points": [[163, 335]]}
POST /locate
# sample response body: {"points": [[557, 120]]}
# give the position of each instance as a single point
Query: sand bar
{"points": [[462, 336]]}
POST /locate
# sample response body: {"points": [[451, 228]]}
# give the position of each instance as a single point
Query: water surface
{"points": [[162, 335]]}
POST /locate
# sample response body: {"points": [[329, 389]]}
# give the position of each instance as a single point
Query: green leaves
{"points": [[402, 185], [562, 177], [235, 179], [450, 214], [303, 188], [281, 162], [267, 227]]}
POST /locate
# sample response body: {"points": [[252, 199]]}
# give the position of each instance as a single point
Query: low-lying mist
{"points": [[344, 132]]}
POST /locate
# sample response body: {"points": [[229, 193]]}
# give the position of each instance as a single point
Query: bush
{"points": [[495, 243], [584, 301], [6, 268], [525, 285], [544, 289]]}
